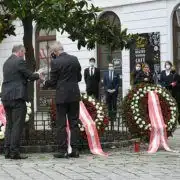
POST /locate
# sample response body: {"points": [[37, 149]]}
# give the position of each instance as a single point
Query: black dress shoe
{"points": [[18, 156], [7, 156], [61, 155], [74, 154]]}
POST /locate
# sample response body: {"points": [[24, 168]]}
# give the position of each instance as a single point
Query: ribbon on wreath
{"points": [[91, 132], [158, 133], [2, 114]]}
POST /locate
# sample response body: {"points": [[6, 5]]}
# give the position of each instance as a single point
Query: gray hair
{"points": [[17, 48], [57, 47]]}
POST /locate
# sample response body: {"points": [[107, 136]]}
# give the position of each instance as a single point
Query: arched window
{"points": [[176, 38], [44, 40], [104, 52]]}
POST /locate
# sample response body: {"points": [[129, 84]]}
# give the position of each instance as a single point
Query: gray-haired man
{"points": [[65, 75], [14, 96]]}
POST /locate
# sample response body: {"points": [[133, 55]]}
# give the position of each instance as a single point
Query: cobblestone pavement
{"points": [[122, 164]]}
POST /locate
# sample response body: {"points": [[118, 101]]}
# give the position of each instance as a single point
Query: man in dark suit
{"points": [[14, 96], [92, 78], [65, 75], [111, 85]]}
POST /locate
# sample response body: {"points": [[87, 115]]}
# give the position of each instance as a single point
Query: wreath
{"points": [[95, 109], [135, 110]]}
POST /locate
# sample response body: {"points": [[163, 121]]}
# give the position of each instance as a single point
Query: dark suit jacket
{"points": [[108, 84], [166, 81], [92, 82], [15, 78], [65, 75]]}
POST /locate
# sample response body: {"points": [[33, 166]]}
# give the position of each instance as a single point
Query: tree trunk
{"points": [[30, 59]]}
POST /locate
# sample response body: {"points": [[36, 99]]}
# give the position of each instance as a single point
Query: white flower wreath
{"points": [[136, 111], [99, 110]]}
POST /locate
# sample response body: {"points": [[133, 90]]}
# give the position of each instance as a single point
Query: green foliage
{"points": [[77, 18], [6, 28]]}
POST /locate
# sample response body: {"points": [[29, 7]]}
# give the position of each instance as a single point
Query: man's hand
{"points": [[173, 84], [111, 91]]}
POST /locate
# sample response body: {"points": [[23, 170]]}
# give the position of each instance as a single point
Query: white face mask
{"points": [[92, 64], [168, 67], [138, 68]]}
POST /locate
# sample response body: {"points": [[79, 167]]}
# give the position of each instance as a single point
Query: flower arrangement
{"points": [[2, 131], [2, 126], [95, 109], [135, 110], [29, 111]]}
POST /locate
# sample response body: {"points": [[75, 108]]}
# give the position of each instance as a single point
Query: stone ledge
{"points": [[83, 148]]}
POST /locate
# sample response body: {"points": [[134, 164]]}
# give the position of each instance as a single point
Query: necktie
{"points": [[111, 75], [91, 71]]}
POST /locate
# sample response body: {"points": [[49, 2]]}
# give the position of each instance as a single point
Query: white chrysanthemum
{"points": [[141, 95], [132, 103], [140, 89], [132, 107], [94, 103], [29, 111], [85, 96], [27, 118], [28, 104], [99, 123], [79, 125], [98, 112], [137, 97], [137, 110], [137, 122], [135, 117], [146, 127], [100, 108], [82, 129], [97, 107], [96, 120], [141, 126], [90, 99], [3, 128], [1, 135], [143, 122]]}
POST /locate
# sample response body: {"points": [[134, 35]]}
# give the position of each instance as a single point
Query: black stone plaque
{"points": [[146, 50]]}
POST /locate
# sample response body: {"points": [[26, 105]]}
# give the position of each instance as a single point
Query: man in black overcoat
{"points": [[64, 75]]}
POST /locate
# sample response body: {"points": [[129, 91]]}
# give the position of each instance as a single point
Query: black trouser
{"points": [[111, 101], [15, 115], [94, 93], [68, 111]]}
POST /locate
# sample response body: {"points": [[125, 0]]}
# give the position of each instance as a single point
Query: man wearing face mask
{"points": [[111, 85], [92, 79]]}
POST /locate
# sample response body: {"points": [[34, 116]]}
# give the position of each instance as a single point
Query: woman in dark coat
{"points": [[137, 74], [147, 76], [171, 81], [166, 77]]}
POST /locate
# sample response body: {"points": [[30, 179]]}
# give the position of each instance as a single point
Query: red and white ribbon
{"points": [[2, 115], [91, 132], [158, 133]]}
